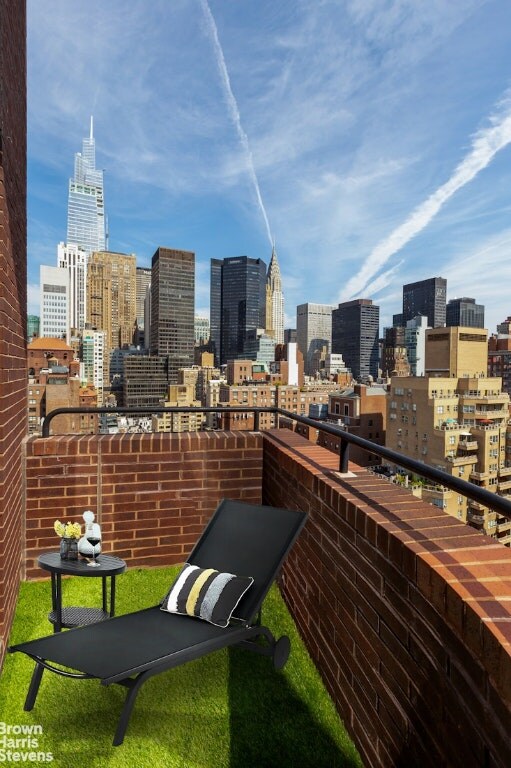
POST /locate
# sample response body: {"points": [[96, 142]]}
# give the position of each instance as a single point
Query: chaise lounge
{"points": [[236, 559]]}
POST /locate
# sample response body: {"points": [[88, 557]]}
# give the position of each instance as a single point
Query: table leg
{"points": [[112, 595], [105, 607], [57, 590]]}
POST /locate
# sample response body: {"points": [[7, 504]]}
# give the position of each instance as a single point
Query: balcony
{"points": [[473, 517], [504, 471], [500, 398], [399, 605], [468, 445], [476, 505], [479, 475], [457, 460], [504, 485]]}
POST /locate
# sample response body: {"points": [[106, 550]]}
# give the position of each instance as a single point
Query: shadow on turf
{"points": [[270, 725]]}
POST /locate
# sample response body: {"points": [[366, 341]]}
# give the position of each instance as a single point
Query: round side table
{"points": [[60, 617]]}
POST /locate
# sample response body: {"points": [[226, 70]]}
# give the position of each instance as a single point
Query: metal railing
{"points": [[438, 476]]}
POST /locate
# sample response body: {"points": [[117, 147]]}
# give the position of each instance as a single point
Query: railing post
{"points": [[344, 455], [256, 421]]}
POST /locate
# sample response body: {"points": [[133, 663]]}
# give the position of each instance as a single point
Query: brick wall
{"points": [[13, 247], [406, 612], [152, 493]]}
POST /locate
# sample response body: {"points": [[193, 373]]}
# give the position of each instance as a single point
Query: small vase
{"points": [[68, 548]]}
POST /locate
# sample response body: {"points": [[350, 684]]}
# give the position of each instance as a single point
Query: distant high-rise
{"points": [[313, 333], [465, 312], [415, 341], [111, 287], [355, 333], [504, 328], [238, 304], [274, 301], [173, 308], [201, 330], [93, 360], [143, 283], [143, 278], [73, 258], [86, 211], [426, 297], [54, 322], [146, 380], [33, 324]]}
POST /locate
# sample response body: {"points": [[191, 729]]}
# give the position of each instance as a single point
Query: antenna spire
{"points": [[91, 128]]}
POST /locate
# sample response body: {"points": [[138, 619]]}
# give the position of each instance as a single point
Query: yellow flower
{"points": [[69, 530]]}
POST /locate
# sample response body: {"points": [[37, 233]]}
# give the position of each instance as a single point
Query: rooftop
{"points": [[404, 611], [49, 343]]}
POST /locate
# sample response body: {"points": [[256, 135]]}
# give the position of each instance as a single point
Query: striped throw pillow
{"points": [[206, 594]]}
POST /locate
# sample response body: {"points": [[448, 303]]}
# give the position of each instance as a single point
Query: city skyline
{"points": [[371, 142]]}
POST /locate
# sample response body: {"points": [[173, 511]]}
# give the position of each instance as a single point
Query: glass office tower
{"points": [[85, 211], [355, 334], [173, 308], [238, 304]]}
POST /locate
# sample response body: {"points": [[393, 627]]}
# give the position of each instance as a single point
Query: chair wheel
{"points": [[281, 652]]}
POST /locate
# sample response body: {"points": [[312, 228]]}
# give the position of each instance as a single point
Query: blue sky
{"points": [[370, 138]]}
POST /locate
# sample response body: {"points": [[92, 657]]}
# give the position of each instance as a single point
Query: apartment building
{"points": [[362, 411], [455, 418], [180, 396]]}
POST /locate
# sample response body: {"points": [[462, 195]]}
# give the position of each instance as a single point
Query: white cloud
{"points": [[234, 111], [485, 145]]}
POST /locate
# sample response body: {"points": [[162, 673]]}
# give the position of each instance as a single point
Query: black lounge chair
{"points": [[240, 538]]}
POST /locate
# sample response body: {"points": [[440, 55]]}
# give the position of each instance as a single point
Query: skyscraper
{"points": [[355, 333], [143, 284], [85, 212], [274, 300], [111, 300], [238, 304], [426, 297], [54, 302], [313, 332], [415, 341], [93, 360], [73, 258], [201, 332], [465, 312], [173, 308]]}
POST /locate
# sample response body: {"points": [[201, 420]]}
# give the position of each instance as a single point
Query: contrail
{"points": [[233, 110], [485, 145]]}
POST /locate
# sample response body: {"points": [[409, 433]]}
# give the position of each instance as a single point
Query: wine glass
{"points": [[93, 538]]}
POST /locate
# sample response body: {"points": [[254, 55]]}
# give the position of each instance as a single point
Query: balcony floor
{"points": [[228, 709]]}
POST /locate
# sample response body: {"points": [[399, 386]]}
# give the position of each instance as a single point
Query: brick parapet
{"points": [[152, 493], [406, 612]]}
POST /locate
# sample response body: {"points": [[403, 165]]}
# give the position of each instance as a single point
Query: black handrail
{"points": [[471, 491]]}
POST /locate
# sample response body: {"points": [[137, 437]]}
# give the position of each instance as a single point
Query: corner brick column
{"points": [[13, 275]]}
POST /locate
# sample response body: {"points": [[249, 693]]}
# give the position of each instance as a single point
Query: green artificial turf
{"points": [[229, 709]]}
